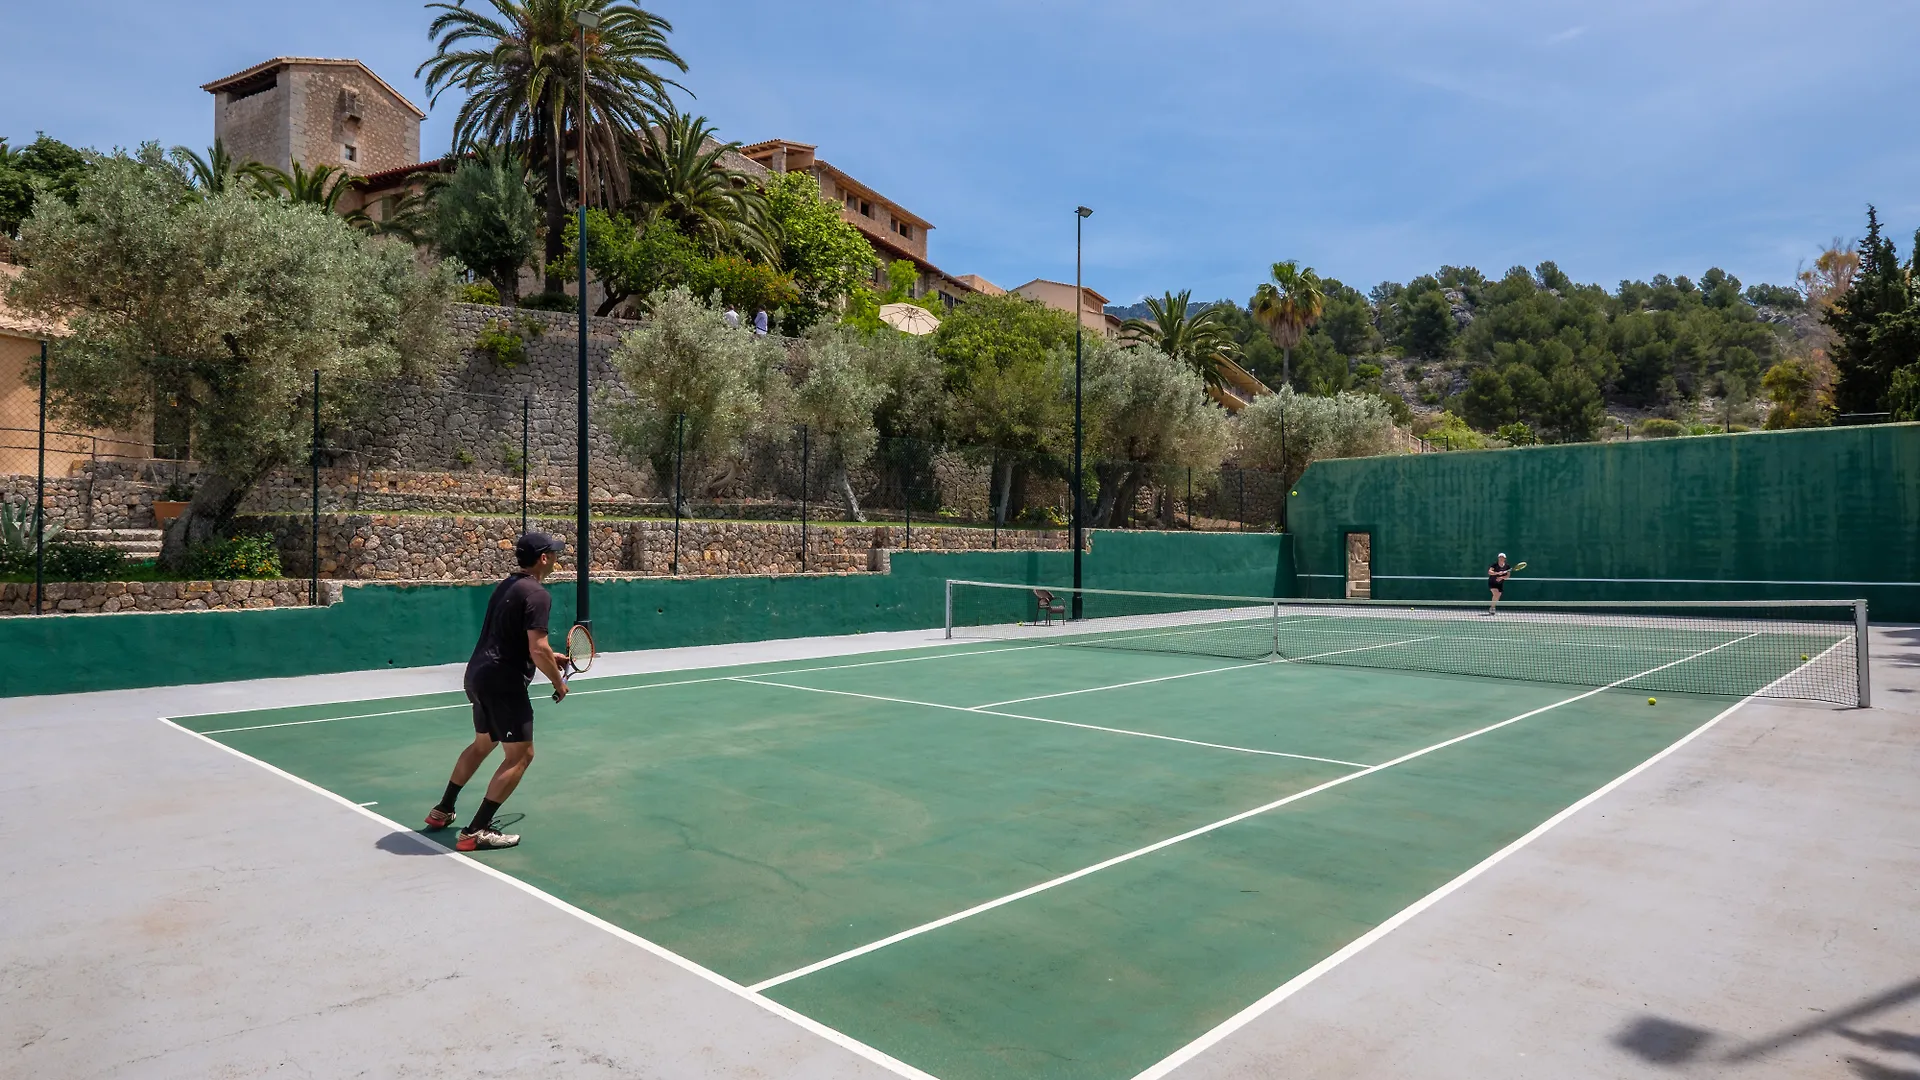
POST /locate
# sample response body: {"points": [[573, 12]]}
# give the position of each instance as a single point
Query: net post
{"points": [[949, 607], [1860, 653], [1276, 627]]}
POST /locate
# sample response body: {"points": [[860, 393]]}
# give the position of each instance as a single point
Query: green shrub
{"points": [[550, 301], [1659, 428], [177, 491], [69, 561], [479, 292], [1517, 434], [237, 557], [502, 342], [1042, 517]]}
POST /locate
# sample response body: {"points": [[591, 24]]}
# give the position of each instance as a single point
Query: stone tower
{"points": [[315, 112]]}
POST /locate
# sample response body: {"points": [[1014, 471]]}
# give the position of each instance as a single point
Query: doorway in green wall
{"points": [[1359, 566]]}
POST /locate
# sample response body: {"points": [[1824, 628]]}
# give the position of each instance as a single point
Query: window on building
{"points": [[349, 152], [866, 208], [906, 231]]}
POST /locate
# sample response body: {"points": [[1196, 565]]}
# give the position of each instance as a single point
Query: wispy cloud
{"points": [[1566, 35]]}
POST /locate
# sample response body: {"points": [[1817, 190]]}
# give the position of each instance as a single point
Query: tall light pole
{"points": [[1080, 215], [583, 518]]}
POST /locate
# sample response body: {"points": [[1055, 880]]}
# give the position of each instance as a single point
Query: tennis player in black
{"points": [[1497, 575], [513, 643]]}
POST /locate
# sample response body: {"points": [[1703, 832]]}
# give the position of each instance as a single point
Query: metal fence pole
{"points": [[40, 497], [993, 513], [313, 523], [679, 444], [803, 498], [526, 459], [1240, 524], [1189, 496], [907, 501]]}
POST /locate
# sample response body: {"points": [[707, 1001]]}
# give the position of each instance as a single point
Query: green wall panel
{"points": [[1765, 515], [379, 626]]}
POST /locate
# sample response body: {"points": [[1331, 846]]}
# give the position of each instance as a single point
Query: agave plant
{"points": [[16, 529]]}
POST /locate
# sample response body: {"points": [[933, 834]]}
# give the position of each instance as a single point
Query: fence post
{"points": [[679, 444], [313, 523], [1189, 497], [803, 498], [993, 514], [526, 460], [907, 501], [40, 497], [1240, 524]]}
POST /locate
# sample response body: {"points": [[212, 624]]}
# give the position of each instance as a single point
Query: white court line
{"points": [[807, 1023], [376, 802], [1299, 982], [982, 710], [1118, 686], [654, 685], [1084, 871]]}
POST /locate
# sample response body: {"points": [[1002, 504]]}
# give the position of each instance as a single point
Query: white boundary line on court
{"points": [[982, 710], [916, 931], [1621, 581], [942, 655], [807, 1023], [1116, 686], [1299, 982]]}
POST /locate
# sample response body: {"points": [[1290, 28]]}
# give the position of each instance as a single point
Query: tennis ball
{"points": [[1293, 493], [1803, 656], [1650, 701]]}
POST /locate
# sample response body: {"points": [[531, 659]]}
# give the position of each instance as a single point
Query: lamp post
{"points": [[1080, 215], [583, 518]]}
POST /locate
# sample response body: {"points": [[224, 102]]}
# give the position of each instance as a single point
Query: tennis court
{"points": [[1013, 855]]}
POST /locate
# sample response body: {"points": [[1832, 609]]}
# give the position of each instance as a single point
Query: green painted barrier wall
{"points": [[380, 626], [1816, 514]]}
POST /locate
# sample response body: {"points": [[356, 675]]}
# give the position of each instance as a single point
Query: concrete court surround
{"points": [[1742, 907]]}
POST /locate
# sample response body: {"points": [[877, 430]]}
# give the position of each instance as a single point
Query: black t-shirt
{"points": [[502, 659], [1494, 570]]}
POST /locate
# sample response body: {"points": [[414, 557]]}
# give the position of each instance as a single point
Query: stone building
{"points": [[315, 112]]}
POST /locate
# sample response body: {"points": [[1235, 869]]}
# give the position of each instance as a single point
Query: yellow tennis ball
{"points": [[1293, 493], [1650, 701], [1803, 656]]}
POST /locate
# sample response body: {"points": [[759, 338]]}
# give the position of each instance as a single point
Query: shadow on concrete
{"points": [[408, 843], [1667, 1042]]}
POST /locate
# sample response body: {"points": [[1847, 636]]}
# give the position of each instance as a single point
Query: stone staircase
{"points": [[136, 543]]}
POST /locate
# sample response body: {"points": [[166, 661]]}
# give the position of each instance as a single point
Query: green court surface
{"points": [[1005, 858]]}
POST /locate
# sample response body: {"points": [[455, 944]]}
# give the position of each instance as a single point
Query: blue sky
{"points": [[1373, 141]]}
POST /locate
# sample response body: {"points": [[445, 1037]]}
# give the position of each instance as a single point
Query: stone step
{"points": [[108, 536]]}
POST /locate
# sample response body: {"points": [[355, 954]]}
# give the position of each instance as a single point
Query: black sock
{"points": [[446, 801], [484, 816]]}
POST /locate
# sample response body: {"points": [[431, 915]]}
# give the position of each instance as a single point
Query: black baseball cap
{"points": [[531, 546]]}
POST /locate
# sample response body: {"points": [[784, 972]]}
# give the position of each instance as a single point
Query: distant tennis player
{"points": [[513, 643], [1497, 575]]}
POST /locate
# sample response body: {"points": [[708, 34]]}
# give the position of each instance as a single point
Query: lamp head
{"points": [[589, 20], [1083, 211]]}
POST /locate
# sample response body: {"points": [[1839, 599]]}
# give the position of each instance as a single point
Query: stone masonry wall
{"points": [[106, 597], [408, 547]]}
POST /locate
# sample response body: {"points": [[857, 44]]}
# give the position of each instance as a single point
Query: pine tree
{"points": [[1876, 324]]}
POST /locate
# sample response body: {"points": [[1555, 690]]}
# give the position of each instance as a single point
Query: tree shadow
{"points": [[1667, 1042]]}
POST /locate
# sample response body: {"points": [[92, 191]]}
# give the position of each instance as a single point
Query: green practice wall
{"points": [[379, 626], [1815, 514]]}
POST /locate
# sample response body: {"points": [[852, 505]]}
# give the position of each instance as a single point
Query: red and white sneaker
{"points": [[438, 819], [487, 839]]}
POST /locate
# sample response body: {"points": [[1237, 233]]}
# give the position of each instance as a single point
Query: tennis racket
{"points": [[580, 654], [1519, 566]]}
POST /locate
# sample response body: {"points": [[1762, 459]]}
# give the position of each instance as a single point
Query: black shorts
{"points": [[505, 715], [1496, 586]]}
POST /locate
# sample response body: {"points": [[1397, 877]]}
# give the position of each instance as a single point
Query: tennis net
{"points": [[1804, 649]]}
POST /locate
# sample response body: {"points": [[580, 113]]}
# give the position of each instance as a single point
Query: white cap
{"points": [[1502, 555]]}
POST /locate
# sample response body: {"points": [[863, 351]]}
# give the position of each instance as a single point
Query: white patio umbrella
{"points": [[909, 318]]}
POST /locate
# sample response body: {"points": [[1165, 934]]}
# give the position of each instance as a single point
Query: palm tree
{"points": [[319, 186], [678, 174], [219, 171], [520, 66], [1287, 305], [1200, 339]]}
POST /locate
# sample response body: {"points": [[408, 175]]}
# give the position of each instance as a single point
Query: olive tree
{"points": [[1146, 412], [1285, 432], [835, 397], [227, 303], [697, 384]]}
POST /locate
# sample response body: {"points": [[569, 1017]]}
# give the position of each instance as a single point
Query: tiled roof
{"points": [[282, 61], [16, 323]]}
